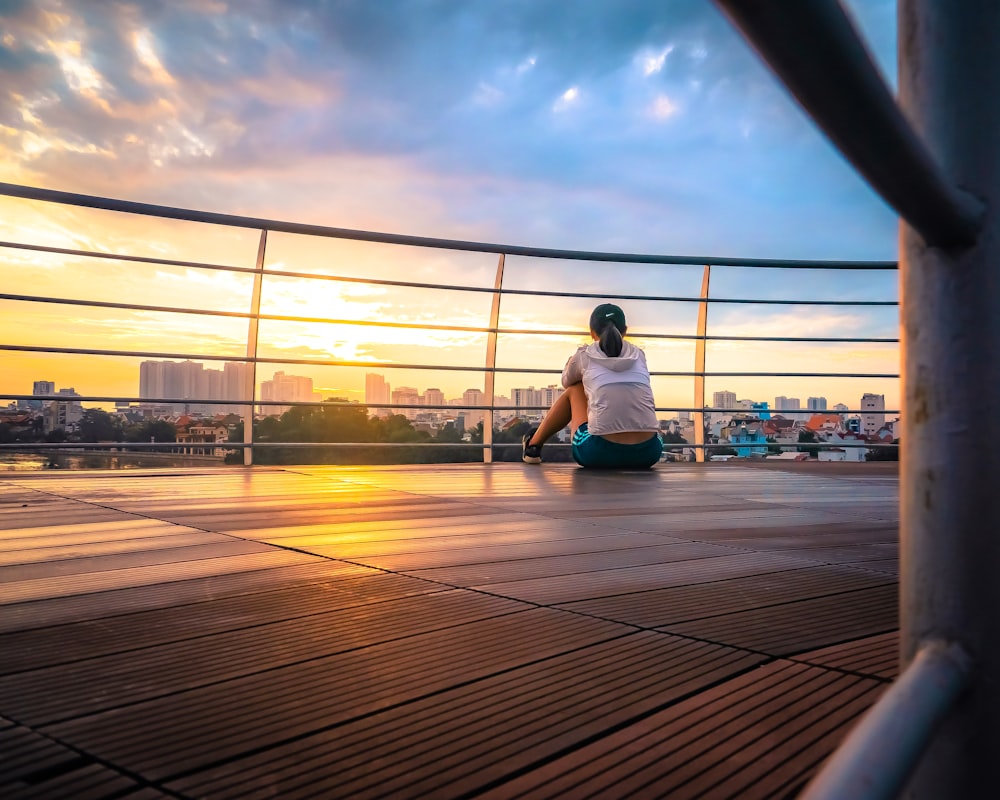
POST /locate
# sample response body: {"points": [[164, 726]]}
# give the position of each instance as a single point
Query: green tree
{"points": [[476, 434], [154, 430], [883, 453], [99, 426], [448, 433], [806, 438]]}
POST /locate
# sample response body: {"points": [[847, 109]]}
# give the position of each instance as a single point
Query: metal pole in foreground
{"points": [[699, 367], [949, 78]]}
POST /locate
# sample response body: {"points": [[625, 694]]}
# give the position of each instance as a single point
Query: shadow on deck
{"points": [[440, 631]]}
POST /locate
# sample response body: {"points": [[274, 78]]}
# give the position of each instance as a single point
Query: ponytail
{"points": [[611, 340], [607, 323]]}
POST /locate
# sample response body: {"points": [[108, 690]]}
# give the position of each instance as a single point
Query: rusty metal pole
{"points": [[949, 79], [699, 368], [250, 368], [491, 362]]}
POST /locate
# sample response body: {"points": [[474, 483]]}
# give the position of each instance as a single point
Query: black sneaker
{"points": [[530, 453]]}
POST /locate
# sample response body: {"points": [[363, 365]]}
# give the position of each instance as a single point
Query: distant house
{"points": [[852, 454], [747, 439], [210, 434], [825, 423]]}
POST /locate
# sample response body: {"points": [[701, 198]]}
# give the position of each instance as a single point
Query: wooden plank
{"points": [[581, 564], [65, 609], [563, 589], [87, 583], [464, 738], [35, 766], [659, 607], [124, 545], [129, 632], [801, 625], [109, 681], [219, 722], [873, 656], [753, 736], [96, 564]]}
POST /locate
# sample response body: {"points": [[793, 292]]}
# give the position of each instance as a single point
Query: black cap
{"points": [[605, 313]]}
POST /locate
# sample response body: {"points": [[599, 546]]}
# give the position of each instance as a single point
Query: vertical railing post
{"points": [[949, 82], [491, 362], [250, 371], [699, 367]]}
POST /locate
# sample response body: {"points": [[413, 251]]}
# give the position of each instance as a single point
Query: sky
{"points": [[635, 126]]}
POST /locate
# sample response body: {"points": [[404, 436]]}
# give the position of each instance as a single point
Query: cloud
{"points": [[439, 120], [662, 107], [567, 99], [651, 63]]}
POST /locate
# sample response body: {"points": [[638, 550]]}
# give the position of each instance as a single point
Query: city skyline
{"points": [[191, 380]]}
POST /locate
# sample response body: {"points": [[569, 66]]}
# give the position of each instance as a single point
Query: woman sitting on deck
{"points": [[608, 402]]}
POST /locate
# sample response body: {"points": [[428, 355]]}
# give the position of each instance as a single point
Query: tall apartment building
{"points": [[406, 396], [549, 394], [376, 392], [434, 397], [787, 404], [190, 381], [816, 404], [871, 419], [38, 389], [286, 388], [473, 397], [724, 399]]}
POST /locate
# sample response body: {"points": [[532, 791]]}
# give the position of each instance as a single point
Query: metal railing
{"points": [[934, 159], [493, 330]]}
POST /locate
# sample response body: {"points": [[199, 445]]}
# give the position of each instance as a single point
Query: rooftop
{"points": [[698, 630]]}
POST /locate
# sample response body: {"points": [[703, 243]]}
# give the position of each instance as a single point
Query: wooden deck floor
{"points": [[699, 631]]}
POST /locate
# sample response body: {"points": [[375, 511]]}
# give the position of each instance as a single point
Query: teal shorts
{"points": [[590, 450]]}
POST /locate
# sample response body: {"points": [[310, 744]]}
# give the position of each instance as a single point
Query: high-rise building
{"points": [[377, 392], [724, 399], [871, 419], [190, 381], [286, 388], [786, 405], [816, 404], [39, 388], [405, 396], [473, 397], [840, 408], [433, 397], [550, 394], [527, 401]]}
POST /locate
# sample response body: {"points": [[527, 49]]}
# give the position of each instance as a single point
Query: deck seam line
{"points": [[275, 668], [138, 778], [426, 696]]}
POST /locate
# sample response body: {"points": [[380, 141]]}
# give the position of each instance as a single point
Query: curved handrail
{"points": [[493, 330]]}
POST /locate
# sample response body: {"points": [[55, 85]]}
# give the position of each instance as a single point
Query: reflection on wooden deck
{"points": [[440, 631]]}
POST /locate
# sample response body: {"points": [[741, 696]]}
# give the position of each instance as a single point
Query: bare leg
{"points": [[569, 409]]}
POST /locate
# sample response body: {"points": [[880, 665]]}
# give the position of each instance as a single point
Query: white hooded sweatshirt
{"points": [[618, 392]]}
